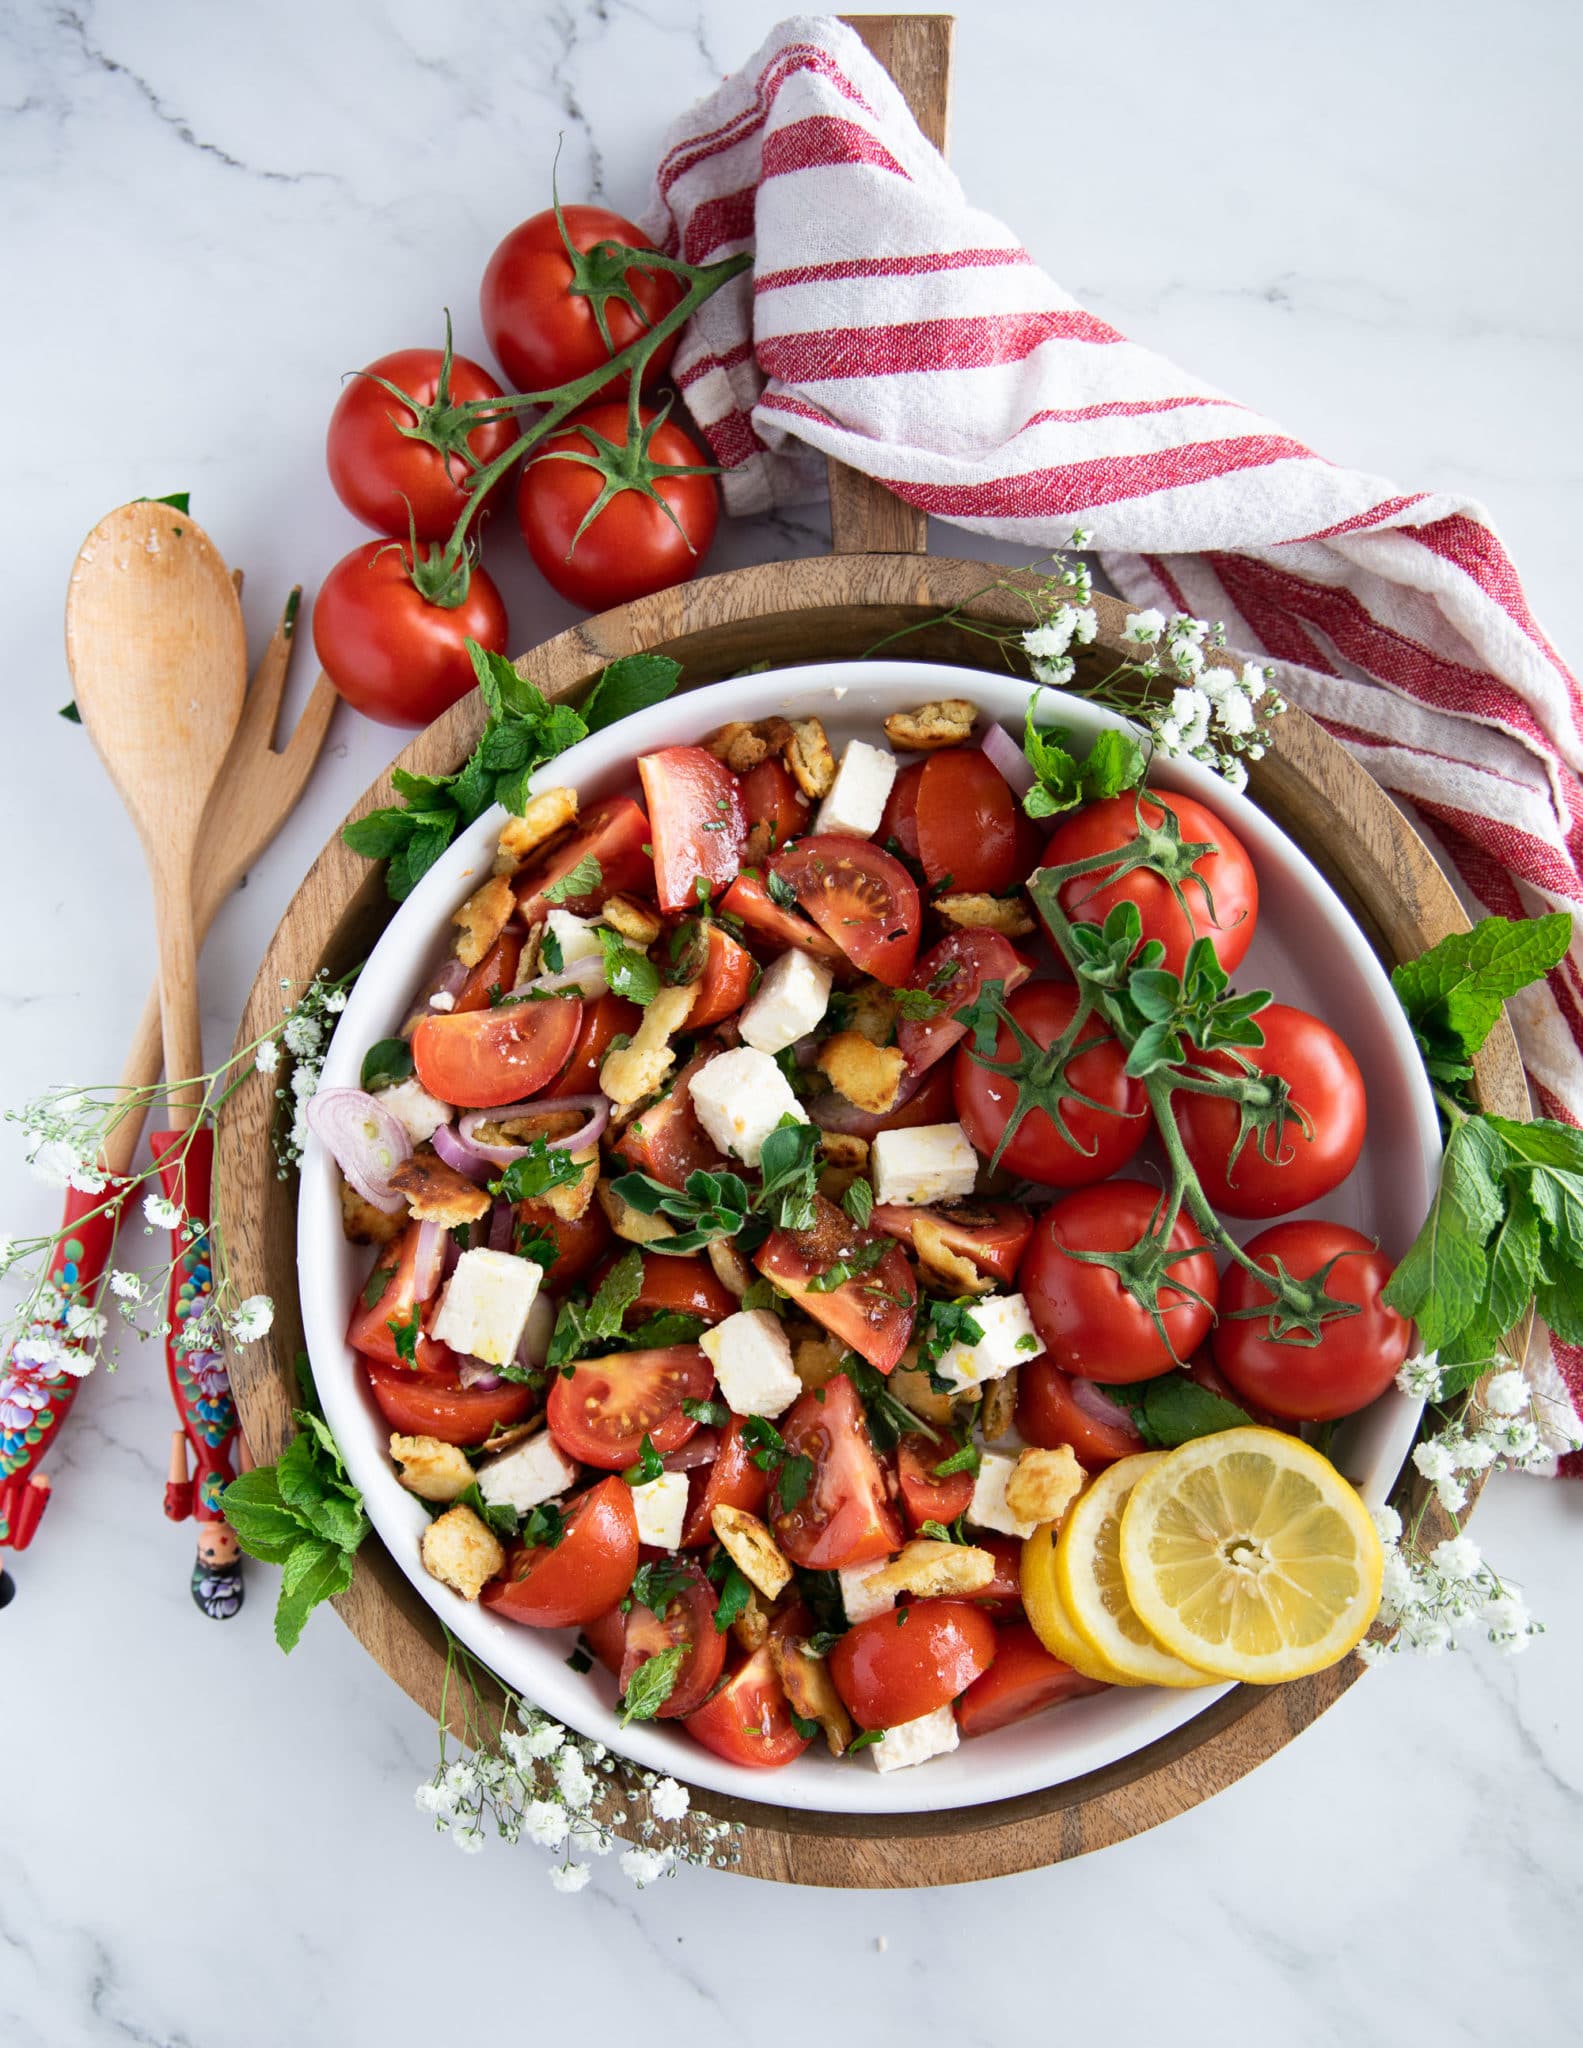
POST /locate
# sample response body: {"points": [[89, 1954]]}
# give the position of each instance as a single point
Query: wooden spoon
{"points": [[158, 659]]}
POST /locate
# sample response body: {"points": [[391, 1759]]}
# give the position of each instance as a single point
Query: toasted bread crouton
{"points": [[462, 1552], [941, 1269], [810, 1691], [1044, 1484], [751, 1629], [638, 923], [753, 1550], [437, 1193], [629, 1223], [929, 1570], [733, 1272], [482, 918], [430, 1469], [816, 1361], [362, 1223], [636, 1070], [547, 816], [868, 1075], [807, 754], [840, 1148], [974, 911], [911, 1386], [997, 1409], [741, 747], [872, 1010], [571, 1199], [948, 722], [530, 960]]}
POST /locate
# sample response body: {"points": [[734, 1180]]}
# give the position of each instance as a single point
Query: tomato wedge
{"points": [[967, 821], [578, 1246], [684, 1284], [496, 972], [845, 1516], [1023, 1680], [483, 1059], [604, 1018], [437, 1404], [1001, 1599], [872, 1311], [925, 1498], [932, 1101], [614, 833], [688, 1622], [859, 896], [732, 1481], [700, 951], [751, 904], [698, 823], [585, 1574], [992, 1235], [602, 1413], [1053, 1409], [954, 972], [771, 798], [369, 1330], [748, 1720], [667, 1141], [899, 819], [894, 1667]]}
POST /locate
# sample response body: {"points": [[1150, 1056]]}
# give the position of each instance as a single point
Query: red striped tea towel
{"points": [[889, 323]]}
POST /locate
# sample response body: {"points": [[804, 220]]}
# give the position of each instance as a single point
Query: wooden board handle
{"points": [[866, 518]]}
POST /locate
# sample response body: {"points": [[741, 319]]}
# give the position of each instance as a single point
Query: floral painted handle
{"points": [[35, 1399], [199, 1382]]}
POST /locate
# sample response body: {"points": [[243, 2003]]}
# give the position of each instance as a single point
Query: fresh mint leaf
{"points": [[763, 1293], [791, 1472], [538, 1171], [967, 1459], [1442, 1279], [265, 1526], [497, 1515], [1114, 762], [582, 1327], [1453, 993], [581, 880], [629, 972], [714, 1413], [406, 1331], [649, 1466], [656, 1585], [632, 683], [1174, 1409], [544, 1528], [888, 1416], [789, 1167], [735, 1593], [946, 1323], [865, 1739], [862, 1258], [780, 891], [314, 1572], [386, 1064], [709, 1206], [858, 1202], [652, 1684], [670, 1326], [916, 1005]]}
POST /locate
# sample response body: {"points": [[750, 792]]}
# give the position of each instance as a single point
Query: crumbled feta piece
{"points": [[740, 1097], [1009, 1338], [752, 1358], [856, 1598], [576, 937], [857, 798], [661, 1506], [789, 1003], [415, 1109], [442, 999], [914, 1742], [931, 1163], [989, 1509], [486, 1305], [527, 1475]]}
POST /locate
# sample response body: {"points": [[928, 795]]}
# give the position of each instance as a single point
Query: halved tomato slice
{"points": [[688, 1622], [578, 1246], [771, 798], [615, 833], [604, 1018], [684, 1284], [495, 974], [953, 973], [871, 1312], [751, 904], [1053, 1409], [698, 950], [667, 1141], [859, 896], [584, 1575], [844, 1516], [601, 1413], [931, 1100], [748, 1720], [1023, 1680], [888, 1672], [924, 1497], [437, 1404], [483, 1059], [991, 1235], [697, 823], [393, 1285], [732, 1481], [967, 821], [899, 819]]}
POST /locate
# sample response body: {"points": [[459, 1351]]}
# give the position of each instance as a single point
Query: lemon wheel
{"points": [[1047, 1613], [1247, 1554], [1093, 1592]]}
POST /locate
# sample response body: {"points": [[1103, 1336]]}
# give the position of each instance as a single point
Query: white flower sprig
{"points": [[540, 1782], [305, 1036]]}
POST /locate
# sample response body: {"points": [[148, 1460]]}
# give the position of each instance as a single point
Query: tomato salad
{"points": [[763, 1253]]}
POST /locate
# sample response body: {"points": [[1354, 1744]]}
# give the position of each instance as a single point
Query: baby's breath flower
{"points": [[253, 1319], [1457, 1559], [569, 1877], [303, 1035], [668, 1800], [162, 1212], [644, 1865], [1420, 1377], [1507, 1393], [266, 1057], [469, 1839], [126, 1286], [545, 1823], [1143, 628]]}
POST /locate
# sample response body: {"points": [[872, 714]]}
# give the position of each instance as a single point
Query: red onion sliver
{"points": [[1005, 754], [587, 975], [500, 1228], [833, 1112], [368, 1143], [455, 1151], [702, 1448], [451, 1252], [472, 1372], [1099, 1407], [429, 1266], [533, 1346], [586, 1134]]}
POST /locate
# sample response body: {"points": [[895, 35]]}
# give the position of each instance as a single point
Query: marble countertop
{"points": [[211, 212]]}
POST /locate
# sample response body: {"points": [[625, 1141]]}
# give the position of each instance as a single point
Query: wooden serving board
{"points": [[878, 581]]}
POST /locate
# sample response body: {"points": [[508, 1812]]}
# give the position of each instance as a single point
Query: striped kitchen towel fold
{"points": [[889, 323]]}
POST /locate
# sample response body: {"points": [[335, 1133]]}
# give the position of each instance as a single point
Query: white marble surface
{"points": [[1357, 218]]}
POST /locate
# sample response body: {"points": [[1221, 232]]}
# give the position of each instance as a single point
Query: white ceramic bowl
{"points": [[1307, 949]]}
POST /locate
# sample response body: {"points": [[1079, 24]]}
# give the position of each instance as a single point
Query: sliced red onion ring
{"points": [[446, 980], [587, 975], [451, 1253], [429, 1267], [500, 1227], [533, 1346], [833, 1112], [472, 1372], [806, 1050], [368, 1143], [1005, 754], [702, 1448], [455, 1151], [1099, 1407], [597, 1108]]}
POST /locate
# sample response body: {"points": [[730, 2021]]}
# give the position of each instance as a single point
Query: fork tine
{"points": [[269, 678], [312, 726]]}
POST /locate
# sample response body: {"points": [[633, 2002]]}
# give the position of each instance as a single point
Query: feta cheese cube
{"points": [[931, 1163], [740, 1097], [914, 1742], [752, 1359], [988, 1509], [527, 1475], [857, 798], [859, 1602], [415, 1109], [486, 1305], [579, 943], [1009, 1337], [789, 1002], [661, 1506]]}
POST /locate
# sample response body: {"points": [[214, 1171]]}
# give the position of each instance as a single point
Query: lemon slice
{"points": [[1047, 1613], [1248, 1554], [1093, 1592]]}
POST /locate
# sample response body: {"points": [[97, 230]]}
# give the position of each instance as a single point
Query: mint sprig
{"points": [[304, 1514]]}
